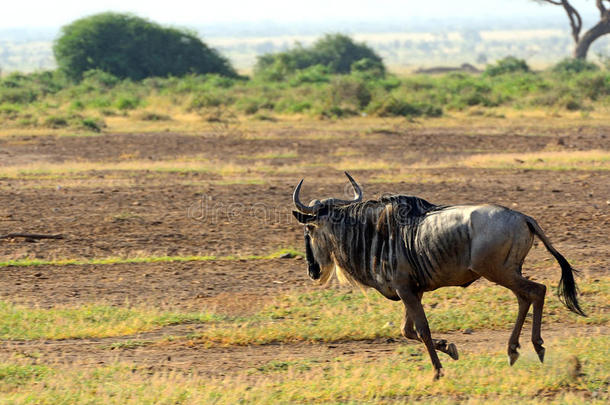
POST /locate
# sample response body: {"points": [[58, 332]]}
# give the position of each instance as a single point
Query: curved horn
{"points": [[305, 209], [357, 189], [357, 194]]}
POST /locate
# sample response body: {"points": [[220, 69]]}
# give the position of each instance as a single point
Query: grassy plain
{"points": [[247, 321]]}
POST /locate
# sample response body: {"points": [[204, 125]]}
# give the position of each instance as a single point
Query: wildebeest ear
{"points": [[303, 218]]}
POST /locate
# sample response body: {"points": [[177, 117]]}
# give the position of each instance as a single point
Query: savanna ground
{"points": [[180, 279]]}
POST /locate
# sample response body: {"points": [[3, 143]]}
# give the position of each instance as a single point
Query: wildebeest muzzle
{"points": [[313, 268]]}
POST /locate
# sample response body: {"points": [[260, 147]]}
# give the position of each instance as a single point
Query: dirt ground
{"points": [[143, 213]]}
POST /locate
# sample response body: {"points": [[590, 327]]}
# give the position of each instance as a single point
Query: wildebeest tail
{"points": [[566, 290]]}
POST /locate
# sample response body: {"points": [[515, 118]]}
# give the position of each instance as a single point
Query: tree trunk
{"points": [[599, 29]]}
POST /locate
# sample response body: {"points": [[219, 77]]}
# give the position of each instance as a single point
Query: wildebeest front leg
{"points": [[415, 311], [408, 331]]}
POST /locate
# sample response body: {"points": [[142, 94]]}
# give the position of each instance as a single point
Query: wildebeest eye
{"points": [[323, 211]]}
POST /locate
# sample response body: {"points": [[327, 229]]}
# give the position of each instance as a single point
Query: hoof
{"points": [[512, 357], [438, 373], [513, 354], [452, 351], [540, 351]]}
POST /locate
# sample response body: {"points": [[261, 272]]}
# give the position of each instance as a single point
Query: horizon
{"points": [[57, 14]]}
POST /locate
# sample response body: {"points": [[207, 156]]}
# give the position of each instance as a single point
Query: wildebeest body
{"points": [[403, 246]]}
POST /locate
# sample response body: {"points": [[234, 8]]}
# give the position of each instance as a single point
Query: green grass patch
{"points": [[15, 375], [145, 259], [331, 315], [398, 377], [22, 323]]}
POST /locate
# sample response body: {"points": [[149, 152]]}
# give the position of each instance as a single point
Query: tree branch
{"points": [[601, 7], [575, 20], [31, 236]]}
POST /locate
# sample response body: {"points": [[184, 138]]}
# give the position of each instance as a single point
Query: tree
{"points": [[336, 52], [582, 43], [128, 46]]}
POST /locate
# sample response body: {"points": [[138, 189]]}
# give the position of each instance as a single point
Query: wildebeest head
{"points": [[317, 217]]}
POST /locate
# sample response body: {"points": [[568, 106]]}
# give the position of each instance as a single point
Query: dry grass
{"points": [[332, 315], [191, 164], [560, 160], [403, 376], [193, 123]]}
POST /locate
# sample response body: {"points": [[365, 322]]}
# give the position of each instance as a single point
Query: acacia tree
{"points": [[583, 42]]}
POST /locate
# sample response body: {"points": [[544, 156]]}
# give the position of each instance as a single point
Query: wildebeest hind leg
{"points": [[527, 292], [538, 292], [513, 341], [415, 311]]}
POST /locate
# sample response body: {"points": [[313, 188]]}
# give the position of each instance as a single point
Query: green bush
{"points": [[151, 116], [17, 95], [337, 52], [92, 124], [127, 46], [311, 74], [126, 102], [594, 85], [10, 111], [346, 90], [205, 100], [394, 107], [368, 67], [571, 65], [509, 64], [56, 121]]}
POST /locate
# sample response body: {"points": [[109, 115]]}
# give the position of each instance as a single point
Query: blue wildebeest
{"points": [[403, 246]]}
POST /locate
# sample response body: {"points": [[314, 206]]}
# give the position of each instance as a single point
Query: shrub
{"points": [[127, 102], [151, 116], [92, 124], [594, 85], [10, 111], [100, 79], [337, 52], [350, 91], [56, 121], [368, 68], [131, 47], [571, 65], [17, 95], [336, 111], [312, 74], [205, 100], [393, 107], [510, 64]]}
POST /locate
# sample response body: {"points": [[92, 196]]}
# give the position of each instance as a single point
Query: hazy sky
{"points": [[45, 13]]}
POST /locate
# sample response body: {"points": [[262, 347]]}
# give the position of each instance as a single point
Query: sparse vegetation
{"points": [[21, 323], [401, 376], [48, 100]]}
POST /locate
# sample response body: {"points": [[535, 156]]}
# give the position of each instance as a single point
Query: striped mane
{"points": [[368, 237]]}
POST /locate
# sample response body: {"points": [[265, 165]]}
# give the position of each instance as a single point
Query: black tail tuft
{"points": [[567, 290]]}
